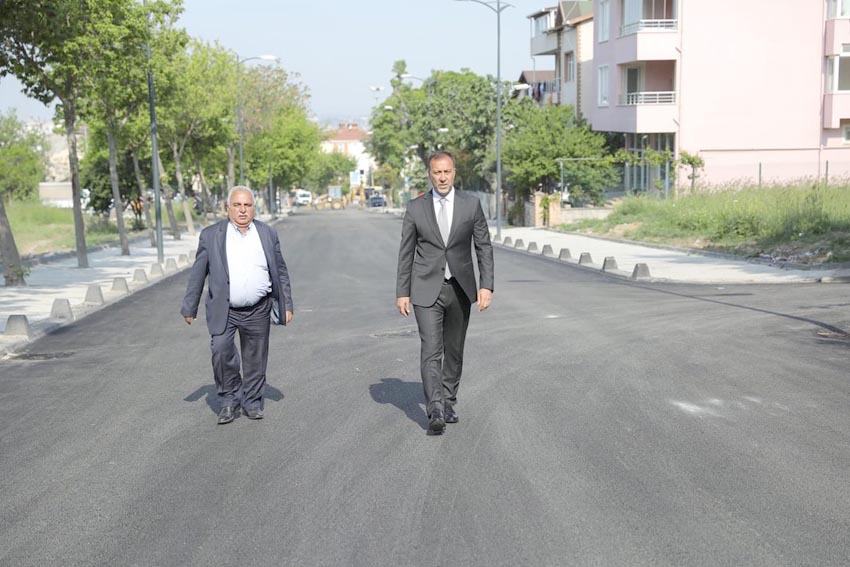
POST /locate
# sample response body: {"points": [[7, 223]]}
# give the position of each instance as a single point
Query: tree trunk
{"points": [[143, 196], [70, 114], [117, 202], [205, 194], [167, 192], [12, 269], [178, 174], [231, 168]]}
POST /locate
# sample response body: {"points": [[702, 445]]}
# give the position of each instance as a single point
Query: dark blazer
{"points": [[211, 266], [422, 255]]}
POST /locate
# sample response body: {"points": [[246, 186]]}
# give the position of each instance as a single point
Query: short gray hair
{"points": [[236, 188]]}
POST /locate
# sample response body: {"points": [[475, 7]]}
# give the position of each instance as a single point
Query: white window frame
{"points": [[845, 131], [603, 86], [570, 67], [839, 9], [833, 73], [604, 20]]}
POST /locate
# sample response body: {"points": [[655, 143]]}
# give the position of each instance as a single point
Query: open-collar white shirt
{"points": [[246, 262]]}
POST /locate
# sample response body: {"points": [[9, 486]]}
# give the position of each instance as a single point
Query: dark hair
{"points": [[439, 154]]}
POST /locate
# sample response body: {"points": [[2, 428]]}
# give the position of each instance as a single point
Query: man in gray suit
{"points": [[247, 289], [436, 276]]}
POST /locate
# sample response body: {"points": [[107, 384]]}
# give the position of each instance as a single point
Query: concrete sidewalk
{"points": [[664, 264], [62, 279]]}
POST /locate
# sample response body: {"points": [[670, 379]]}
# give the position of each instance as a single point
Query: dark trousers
{"points": [[253, 326], [442, 332]]}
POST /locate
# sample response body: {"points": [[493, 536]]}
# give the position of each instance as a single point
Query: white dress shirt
{"points": [[246, 262], [450, 208]]}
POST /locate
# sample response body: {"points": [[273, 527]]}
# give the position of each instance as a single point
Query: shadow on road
{"points": [[210, 393], [406, 396]]}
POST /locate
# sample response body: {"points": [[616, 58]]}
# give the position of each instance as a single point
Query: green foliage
{"points": [[536, 137], [22, 158], [289, 145], [327, 169]]}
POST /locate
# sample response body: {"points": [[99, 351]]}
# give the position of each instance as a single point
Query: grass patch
{"points": [[39, 229], [799, 223]]}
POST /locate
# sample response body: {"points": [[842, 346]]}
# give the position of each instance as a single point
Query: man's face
{"points": [[240, 209], [442, 174]]}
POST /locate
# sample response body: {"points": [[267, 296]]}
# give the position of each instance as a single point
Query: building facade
{"points": [[760, 92], [350, 140]]}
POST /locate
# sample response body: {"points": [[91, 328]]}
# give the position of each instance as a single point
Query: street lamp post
{"points": [[497, 8], [239, 105], [160, 252]]}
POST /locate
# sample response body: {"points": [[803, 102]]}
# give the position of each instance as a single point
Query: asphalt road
{"points": [[602, 422]]}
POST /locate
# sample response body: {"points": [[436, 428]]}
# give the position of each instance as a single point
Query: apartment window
{"points": [[569, 67], [602, 86], [541, 24], [845, 130], [605, 19], [838, 74], [839, 8]]}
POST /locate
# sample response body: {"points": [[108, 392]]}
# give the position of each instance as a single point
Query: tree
{"points": [[117, 87], [22, 158], [53, 48], [326, 169], [537, 137]]}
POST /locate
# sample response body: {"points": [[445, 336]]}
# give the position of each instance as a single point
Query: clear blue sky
{"points": [[341, 47]]}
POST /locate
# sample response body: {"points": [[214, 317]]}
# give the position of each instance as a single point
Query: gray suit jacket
{"points": [[211, 266], [422, 255]]}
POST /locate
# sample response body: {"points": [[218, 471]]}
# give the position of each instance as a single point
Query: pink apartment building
{"points": [[760, 89]]}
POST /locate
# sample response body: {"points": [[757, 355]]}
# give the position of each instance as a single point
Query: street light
{"points": [[497, 8], [239, 104], [425, 82]]}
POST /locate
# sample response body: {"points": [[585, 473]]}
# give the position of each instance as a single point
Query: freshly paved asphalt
{"points": [[603, 422]]}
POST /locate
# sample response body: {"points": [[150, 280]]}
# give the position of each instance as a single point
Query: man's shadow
{"points": [[406, 396], [211, 394]]}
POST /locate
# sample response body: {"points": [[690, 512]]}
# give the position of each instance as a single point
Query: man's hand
{"points": [[188, 320], [288, 317], [485, 297], [403, 304]]}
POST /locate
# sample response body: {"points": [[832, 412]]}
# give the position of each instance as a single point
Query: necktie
{"points": [[443, 221]]}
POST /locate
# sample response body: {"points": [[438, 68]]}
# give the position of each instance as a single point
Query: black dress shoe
{"points": [[451, 415], [254, 413], [437, 424], [226, 415]]}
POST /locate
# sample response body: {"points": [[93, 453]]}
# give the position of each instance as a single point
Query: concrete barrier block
{"points": [[641, 272], [519, 243], [139, 276], [585, 259], [609, 264], [496, 238], [547, 250], [156, 270], [61, 309], [120, 285], [508, 241], [170, 265], [18, 326], [182, 259], [532, 247], [565, 254], [94, 295]]}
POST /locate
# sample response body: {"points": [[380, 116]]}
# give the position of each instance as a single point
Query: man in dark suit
{"points": [[247, 289], [436, 276]]}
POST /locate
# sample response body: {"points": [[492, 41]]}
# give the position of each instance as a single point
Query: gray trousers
{"points": [[442, 333], [253, 326]]}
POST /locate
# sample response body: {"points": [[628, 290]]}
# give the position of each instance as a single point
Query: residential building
{"points": [[564, 32], [350, 140], [761, 93]]}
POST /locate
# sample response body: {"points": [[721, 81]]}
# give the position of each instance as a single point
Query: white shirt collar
{"points": [[236, 228], [449, 196]]}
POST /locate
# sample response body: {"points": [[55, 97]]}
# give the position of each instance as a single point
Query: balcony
{"points": [[545, 43], [836, 107], [660, 97], [649, 25]]}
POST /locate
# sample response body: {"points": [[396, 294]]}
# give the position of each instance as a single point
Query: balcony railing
{"points": [[643, 25], [659, 97]]}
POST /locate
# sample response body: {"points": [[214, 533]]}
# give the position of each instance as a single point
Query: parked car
{"points": [[377, 201]]}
